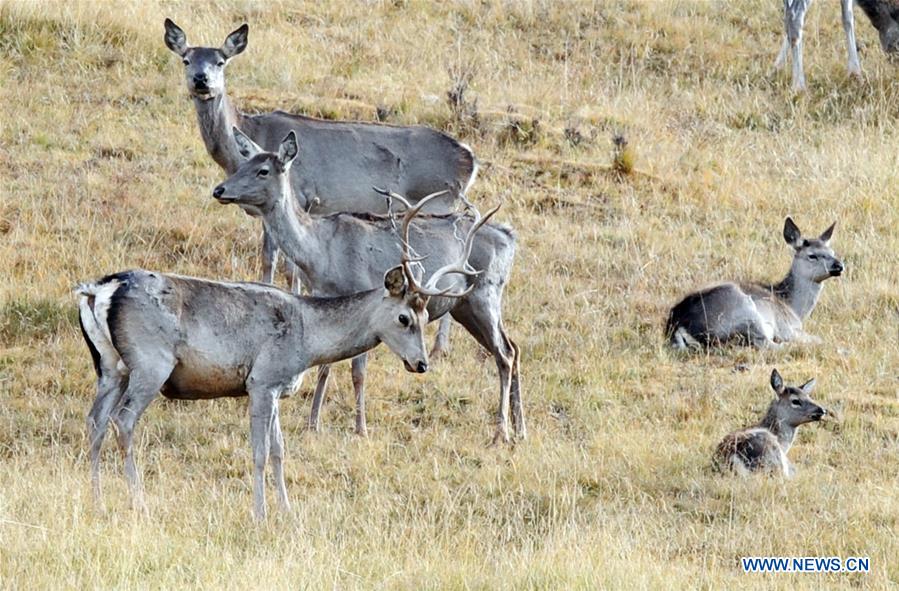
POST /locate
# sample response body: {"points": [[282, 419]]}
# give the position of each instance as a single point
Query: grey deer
{"points": [[346, 252], [883, 15], [765, 316], [194, 339], [764, 447], [339, 161]]}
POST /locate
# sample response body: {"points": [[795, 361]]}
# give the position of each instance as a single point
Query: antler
{"points": [[456, 267]]}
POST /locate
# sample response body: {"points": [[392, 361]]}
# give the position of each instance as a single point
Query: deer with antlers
{"points": [[194, 339], [346, 252]]}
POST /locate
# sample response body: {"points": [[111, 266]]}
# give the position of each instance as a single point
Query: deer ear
{"points": [[792, 235], [288, 149], [828, 233], [175, 39], [236, 42], [395, 281], [247, 147], [777, 382], [808, 387]]}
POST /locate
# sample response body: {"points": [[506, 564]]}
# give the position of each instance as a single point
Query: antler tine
{"points": [[411, 212], [458, 267]]}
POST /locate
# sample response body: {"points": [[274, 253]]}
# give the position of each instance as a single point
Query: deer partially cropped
{"points": [[765, 446], [340, 161], [765, 316], [346, 252], [195, 339], [883, 15]]}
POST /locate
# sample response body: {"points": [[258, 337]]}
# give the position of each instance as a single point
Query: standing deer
{"points": [[765, 316], [340, 160], [195, 339], [883, 14], [765, 446], [345, 252]]}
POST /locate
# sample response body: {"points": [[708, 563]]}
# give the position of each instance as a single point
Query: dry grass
{"points": [[102, 169]]}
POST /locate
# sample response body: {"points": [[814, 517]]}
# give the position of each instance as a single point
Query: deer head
{"points": [[813, 259], [204, 67]]}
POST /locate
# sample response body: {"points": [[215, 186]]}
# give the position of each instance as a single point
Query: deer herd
{"points": [[375, 226]]}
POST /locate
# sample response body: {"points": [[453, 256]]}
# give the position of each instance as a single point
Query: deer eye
{"points": [[795, 402], [404, 320], [185, 61], [262, 172], [220, 63], [813, 257]]}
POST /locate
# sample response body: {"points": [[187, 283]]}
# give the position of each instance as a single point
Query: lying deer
{"points": [[345, 252], [196, 339], [883, 15], [765, 446], [762, 315], [340, 161]]}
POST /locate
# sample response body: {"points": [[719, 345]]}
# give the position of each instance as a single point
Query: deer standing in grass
{"points": [[765, 316], [883, 15], [340, 160], [765, 446], [195, 339], [345, 252]]}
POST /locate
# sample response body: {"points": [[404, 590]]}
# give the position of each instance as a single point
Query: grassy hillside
{"points": [[102, 168]]}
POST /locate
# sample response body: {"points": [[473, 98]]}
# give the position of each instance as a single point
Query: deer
{"points": [[195, 339], [764, 447], [760, 315], [883, 15], [341, 160], [346, 252]]}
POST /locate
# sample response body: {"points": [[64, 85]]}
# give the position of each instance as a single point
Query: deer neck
{"points": [[784, 432], [340, 328], [216, 117], [294, 232], [800, 294]]}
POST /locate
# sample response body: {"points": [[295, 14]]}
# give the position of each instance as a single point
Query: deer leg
{"points": [[794, 20], [143, 385], [269, 256], [109, 389], [479, 314], [318, 398], [276, 455], [293, 276], [518, 424], [262, 415], [359, 363], [442, 343], [855, 68]]}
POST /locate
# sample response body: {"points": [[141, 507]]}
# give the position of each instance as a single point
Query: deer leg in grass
{"points": [[109, 389], [143, 386], [442, 342], [269, 257], [318, 398], [262, 416], [855, 68], [359, 364], [480, 319], [276, 455], [515, 394]]}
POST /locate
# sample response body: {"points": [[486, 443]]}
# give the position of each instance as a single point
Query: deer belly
{"points": [[196, 379]]}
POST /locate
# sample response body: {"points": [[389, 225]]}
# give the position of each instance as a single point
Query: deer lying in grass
{"points": [[765, 446], [340, 160], [883, 14], [342, 253], [765, 316], [197, 339]]}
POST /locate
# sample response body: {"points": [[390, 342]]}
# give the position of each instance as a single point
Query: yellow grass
{"points": [[102, 169]]}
